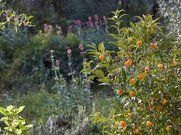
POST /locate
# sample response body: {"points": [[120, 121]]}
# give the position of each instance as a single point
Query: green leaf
{"points": [[3, 111], [92, 77], [29, 126], [113, 111], [121, 16], [101, 47], [103, 119], [10, 108], [121, 45], [105, 80], [105, 84], [18, 131], [99, 73], [29, 17], [6, 120], [20, 109], [16, 28], [123, 75]]}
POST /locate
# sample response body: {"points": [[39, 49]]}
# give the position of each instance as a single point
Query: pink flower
{"points": [[45, 27], [105, 19], [81, 46], [70, 28], [69, 51], [96, 17], [90, 18], [78, 23], [57, 62], [82, 53], [90, 24]]}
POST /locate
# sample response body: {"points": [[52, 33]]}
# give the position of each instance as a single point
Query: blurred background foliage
{"points": [[59, 25], [55, 12], [25, 64]]}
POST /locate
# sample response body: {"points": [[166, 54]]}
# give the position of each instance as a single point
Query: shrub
{"points": [[15, 124], [146, 71]]}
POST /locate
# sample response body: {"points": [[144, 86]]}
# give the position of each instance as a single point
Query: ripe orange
{"points": [[154, 45], [160, 66], [168, 128], [159, 108], [164, 101], [132, 94], [119, 92], [102, 57], [132, 81], [174, 64], [129, 115], [139, 43], [129, 62], [123, 123], [147, 69], [150, 106], [136, 131], [149, 123], [141, 76]]}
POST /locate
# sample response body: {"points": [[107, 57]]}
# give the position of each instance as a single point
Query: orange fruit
{"points": [[129, 62], [150, 106], [164, 101], [119, 92], [168, 128], [160, 66], [167, 96], [132, 81], [154, 45], [132, 94], [174, 64], [136, 131], [159, 108], [147, 69], [102, 57], [129, 114], [139, 43], [123, 123], [141, 76], [149, 123]]}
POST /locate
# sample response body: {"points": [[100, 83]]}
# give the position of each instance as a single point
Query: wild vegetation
{"points": [[82, 70]]}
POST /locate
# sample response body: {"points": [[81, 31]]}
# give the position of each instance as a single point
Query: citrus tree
{"points": [[145, 76]]}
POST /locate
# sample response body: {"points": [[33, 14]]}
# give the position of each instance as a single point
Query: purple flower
{"points": [[57, 62], [78, 23], [90, 18], [69, 51], [81, 46], [70, 28], [96, 17], [45, 27], [105, 19]]}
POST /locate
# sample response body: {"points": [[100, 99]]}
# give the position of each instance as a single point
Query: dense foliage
{"points": [[144, 73], [15, 124], [129, 84]]}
